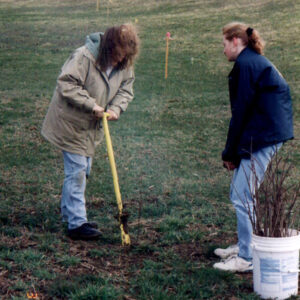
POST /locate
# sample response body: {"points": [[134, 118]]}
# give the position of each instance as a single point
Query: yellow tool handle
{"points": [[112, 162], [124, 236]]}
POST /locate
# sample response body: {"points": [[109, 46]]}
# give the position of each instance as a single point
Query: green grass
{"points": [[167, 148]]}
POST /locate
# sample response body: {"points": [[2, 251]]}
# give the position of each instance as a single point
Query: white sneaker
{"points": [[234, 264], [229, 251]]}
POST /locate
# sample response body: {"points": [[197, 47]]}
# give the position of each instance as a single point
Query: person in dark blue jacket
{"points": [[262, 120]]}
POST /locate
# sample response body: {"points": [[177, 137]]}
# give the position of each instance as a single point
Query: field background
{"points": [[167, 148]]}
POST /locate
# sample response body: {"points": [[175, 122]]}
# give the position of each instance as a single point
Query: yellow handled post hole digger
{"points": [[122, 217]]}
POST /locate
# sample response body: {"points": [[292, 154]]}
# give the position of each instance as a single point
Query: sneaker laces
{"points": [[234, 256], [225, 260]]}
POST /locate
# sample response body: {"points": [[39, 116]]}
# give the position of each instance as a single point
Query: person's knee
{"points": [[242, 204], [80, 178]]}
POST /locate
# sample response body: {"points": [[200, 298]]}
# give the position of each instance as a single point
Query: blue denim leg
{"points": [[73, 210], [240, 194]]}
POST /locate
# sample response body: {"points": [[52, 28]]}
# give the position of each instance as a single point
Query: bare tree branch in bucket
{"points": [[275, 200]]}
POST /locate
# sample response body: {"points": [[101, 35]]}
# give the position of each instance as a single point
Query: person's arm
{"points": [[123, 97], [70, 83], [242, 100]]}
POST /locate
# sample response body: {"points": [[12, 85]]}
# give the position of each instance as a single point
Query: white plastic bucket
{"points": [[275, 265]]}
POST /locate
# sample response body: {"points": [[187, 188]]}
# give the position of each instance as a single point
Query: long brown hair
{"points": [[118, 42], [248, 35]]}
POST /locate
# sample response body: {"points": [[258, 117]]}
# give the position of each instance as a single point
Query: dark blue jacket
{"points": [[261, 107]]}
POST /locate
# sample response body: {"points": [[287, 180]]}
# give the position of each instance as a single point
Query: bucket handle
{"points": [[287, 271], [256, 247], [291, 271]]}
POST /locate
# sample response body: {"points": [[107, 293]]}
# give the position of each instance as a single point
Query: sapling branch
{"points": [[273, 200]]}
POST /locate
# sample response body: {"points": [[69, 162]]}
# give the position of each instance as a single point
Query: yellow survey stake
{"points": [[122, 218]]}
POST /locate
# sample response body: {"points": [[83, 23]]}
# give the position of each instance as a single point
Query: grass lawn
{"points": [[167, 148]]}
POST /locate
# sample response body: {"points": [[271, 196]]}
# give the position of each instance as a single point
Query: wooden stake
{"points": [[167, 54], [98, 5]]}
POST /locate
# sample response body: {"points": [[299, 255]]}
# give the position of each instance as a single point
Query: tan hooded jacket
{"points": [[69, 123]]}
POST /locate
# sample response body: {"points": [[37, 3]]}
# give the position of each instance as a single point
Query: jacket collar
{"points": [[245, 52]]}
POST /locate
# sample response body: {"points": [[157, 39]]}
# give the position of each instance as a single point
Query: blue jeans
{"points": [[77, 168], [241, 191]]}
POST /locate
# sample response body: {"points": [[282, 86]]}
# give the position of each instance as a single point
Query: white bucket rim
{"points": [[295, 234], [283, 244]]}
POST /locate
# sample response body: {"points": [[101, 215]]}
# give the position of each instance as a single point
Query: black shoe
{"points": [[93, 225], [84, 232]]}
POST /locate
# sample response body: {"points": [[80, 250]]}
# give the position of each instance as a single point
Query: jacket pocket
{"points": [[74, 136], [74, 129], [78, 118]]}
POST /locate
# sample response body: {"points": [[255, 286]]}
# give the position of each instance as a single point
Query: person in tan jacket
{"points": [[97, 77]]}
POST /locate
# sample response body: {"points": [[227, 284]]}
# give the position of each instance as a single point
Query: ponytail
{"points": [[248, 35], [255, 41]]}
